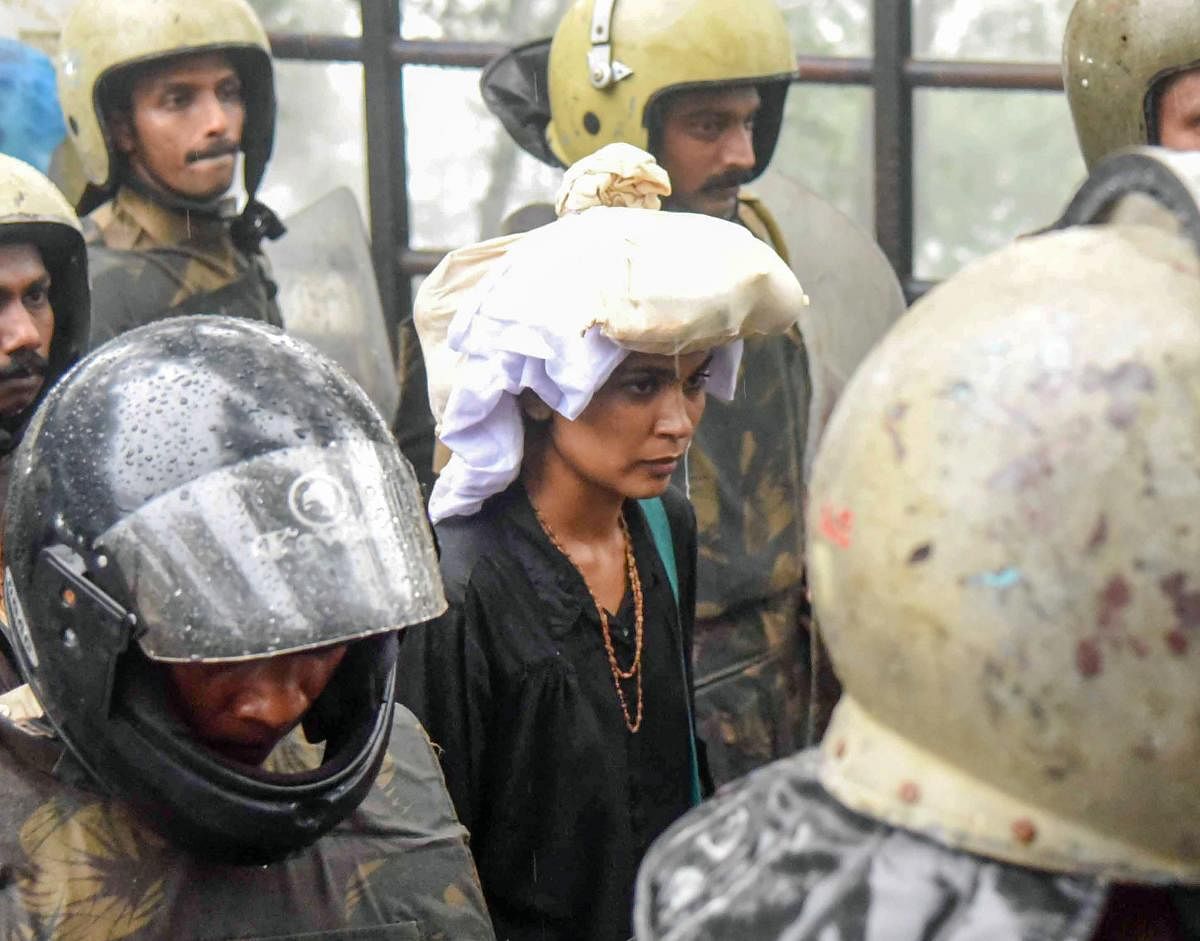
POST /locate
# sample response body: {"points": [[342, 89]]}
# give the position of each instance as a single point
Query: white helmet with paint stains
{"points": [[1005, 546]]}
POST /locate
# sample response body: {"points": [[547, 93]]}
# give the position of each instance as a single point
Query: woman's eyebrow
{"points": [[641, 369]]}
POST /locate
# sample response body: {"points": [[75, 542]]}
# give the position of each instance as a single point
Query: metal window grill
{"points": [[892, 73]]}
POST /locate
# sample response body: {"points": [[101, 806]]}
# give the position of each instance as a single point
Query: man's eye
{"points": [[177, 100], [36, 297], [231, 92]]}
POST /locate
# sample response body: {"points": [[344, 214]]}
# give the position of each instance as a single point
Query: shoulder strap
{"points": [[660, 531], [758, 219]]}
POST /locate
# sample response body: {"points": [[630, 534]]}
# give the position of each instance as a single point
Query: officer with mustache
{"points": [[160, 98], [43, 308], [43, 297]]}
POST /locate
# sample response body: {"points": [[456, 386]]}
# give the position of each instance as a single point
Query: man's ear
{"points": [[122, 132], [533, 407]]}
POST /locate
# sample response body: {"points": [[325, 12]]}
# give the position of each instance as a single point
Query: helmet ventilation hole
{"points": [[591, 123]]}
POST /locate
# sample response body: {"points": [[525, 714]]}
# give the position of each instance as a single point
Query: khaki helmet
{"points": [[610, 60], [103, 38], [1004, 555], [1115, 55], [32, 210]]}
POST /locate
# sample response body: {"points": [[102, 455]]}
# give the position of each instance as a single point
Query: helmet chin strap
{"points": [[248, 228], [149, 185]]}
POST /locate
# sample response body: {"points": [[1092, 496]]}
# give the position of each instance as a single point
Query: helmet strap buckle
{"points": [[603, 70], [94, 630]]}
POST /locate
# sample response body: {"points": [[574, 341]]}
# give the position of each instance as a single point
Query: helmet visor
{"points": [[291, 550]]}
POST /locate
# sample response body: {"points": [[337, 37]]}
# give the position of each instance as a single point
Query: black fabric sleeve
{"points": [[443, 678]]}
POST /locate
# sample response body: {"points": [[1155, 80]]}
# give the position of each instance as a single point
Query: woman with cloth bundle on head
{"points": [[569, 367]]}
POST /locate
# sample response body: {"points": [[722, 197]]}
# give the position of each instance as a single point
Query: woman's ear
{"points": [[533, 407]]}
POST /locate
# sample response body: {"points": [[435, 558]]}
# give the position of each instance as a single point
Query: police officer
{"points": [[204, 577], [1132, 73], [1002, 556], [701, 84], [160, 97], [43, 310], [43, 297]]}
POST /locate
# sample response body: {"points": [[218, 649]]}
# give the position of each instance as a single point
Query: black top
{"points": [[514, 686]]}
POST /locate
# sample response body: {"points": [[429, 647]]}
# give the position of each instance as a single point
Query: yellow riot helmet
{"points": [[1004, 553], [611, 60], [1115, 56], [102, 39]]}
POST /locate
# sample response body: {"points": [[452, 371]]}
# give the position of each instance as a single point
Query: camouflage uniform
{"points": [[776, 857], [78, 865], [149, 262], [754, 684]]}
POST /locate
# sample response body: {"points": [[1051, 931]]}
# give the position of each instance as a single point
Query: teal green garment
{"points": [[660, 530]]}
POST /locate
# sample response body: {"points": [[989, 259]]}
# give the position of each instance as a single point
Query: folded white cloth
{"points": [[557, 309]]}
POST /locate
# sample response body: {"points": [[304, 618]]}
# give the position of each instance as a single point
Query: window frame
{"points": [[891, 72]]}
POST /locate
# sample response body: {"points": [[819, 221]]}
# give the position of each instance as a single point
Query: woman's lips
{"points": [[664, 466]]}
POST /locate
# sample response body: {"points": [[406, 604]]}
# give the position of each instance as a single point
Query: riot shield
{"points": [[854, 296], [328, 294]]}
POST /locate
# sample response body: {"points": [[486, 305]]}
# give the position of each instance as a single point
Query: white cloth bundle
{"points": [[557, 309]]}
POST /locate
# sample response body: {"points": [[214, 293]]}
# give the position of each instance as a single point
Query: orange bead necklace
{"points": [[635, 584]]}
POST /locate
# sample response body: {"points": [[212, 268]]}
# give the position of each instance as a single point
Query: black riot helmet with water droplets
{"points": [[208, 489]]}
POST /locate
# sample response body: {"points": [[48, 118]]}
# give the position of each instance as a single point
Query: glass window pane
{"points": [[1019, 30], [825, 147], [339, 17], [507, 21], [464, 172], [990, 166], [829, 27], [319, 139]]}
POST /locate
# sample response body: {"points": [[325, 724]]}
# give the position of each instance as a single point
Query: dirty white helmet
{"points": [[1004, 547]]}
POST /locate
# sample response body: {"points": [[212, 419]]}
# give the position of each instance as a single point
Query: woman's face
{"points": [[636, 429]]}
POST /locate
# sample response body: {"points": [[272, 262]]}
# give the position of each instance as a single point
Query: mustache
{"points": [[24, 364], [727, 180], [220, 148]]}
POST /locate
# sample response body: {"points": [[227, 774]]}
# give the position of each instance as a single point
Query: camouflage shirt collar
{"points": [[137, 219]]}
